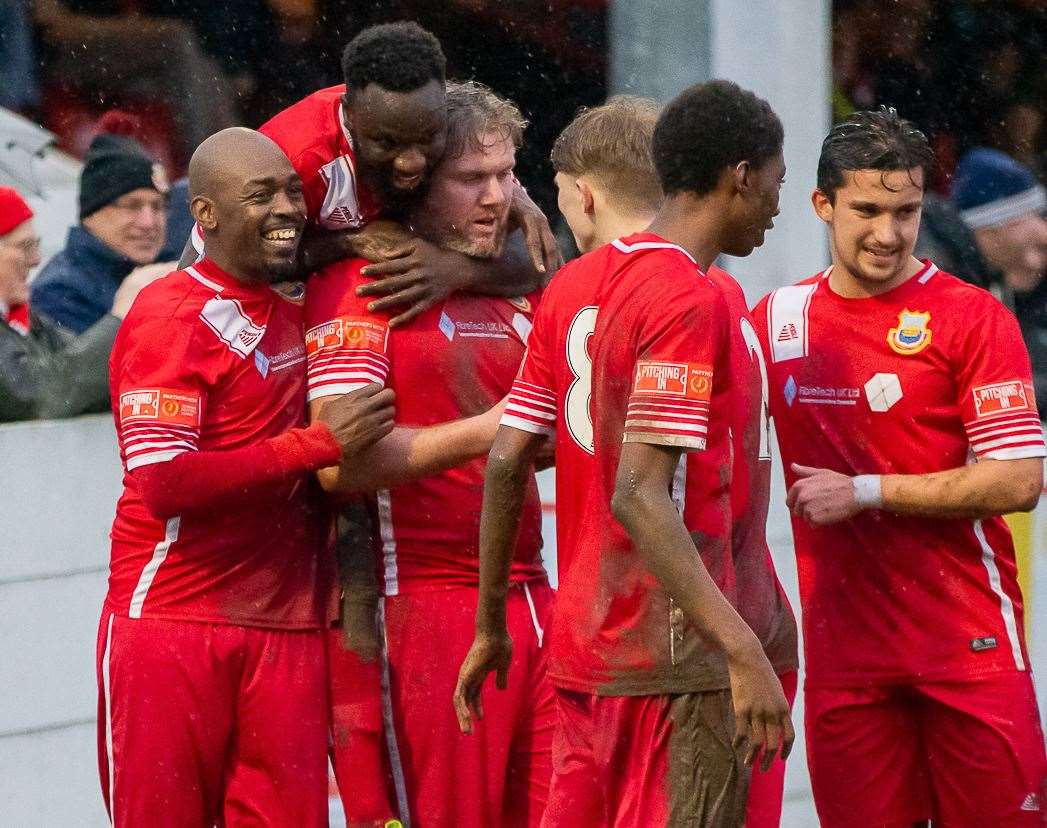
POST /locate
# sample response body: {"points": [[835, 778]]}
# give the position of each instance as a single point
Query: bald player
{"points": [[212, 695]]}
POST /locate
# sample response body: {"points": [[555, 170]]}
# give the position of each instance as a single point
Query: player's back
{"points": [[615, 631]]}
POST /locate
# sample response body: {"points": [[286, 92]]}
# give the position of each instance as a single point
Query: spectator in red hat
{"points": [[45, 371]]}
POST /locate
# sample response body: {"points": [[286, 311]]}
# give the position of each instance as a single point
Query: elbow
{"points": [[627, 506], [1026, 492]]}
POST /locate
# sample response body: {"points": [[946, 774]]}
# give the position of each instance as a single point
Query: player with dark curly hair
{"points": [[364, 150], [659, 679]]}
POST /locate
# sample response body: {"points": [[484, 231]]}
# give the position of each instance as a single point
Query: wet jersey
{"points": [[923, 378], [456, 360], [205, 363]]}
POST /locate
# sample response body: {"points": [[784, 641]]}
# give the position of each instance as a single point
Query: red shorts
{"points": [[646, 761], [962, 753], [202, 724], [499, 775], [765, 790]]}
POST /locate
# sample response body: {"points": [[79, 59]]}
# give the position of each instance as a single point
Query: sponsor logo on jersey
{"points": [[999, 396], [327, 335], [160, 405], [1031, 802], [365, 334], [788, 332], [912, 334], [823, 395], [984, 643], [882, 391], [679, 379], [790, 391]]}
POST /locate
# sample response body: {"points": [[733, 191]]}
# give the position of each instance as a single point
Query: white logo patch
{"points": [[883, 391], [226, 317]]}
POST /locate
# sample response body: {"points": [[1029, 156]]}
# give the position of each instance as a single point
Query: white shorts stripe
{"points": [[389, 724], [1006, 605], [149, 572], [107, 696], [385, 532]]}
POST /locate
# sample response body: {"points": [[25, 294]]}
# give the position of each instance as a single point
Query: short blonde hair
{"points": [[473, 111], [611, 143]]}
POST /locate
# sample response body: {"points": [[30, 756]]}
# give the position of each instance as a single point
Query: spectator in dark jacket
{"points": [[122, 223], [45, 371]]}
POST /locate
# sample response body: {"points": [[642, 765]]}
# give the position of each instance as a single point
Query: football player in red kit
{"points": [[456, 360], [608, 189], [212, 704], [364, 150], [656, 672], [904, 409]]}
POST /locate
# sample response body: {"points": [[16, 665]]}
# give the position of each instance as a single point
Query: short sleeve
{"points": [[347, 346], [160, 392], [532, 399], [681, 341], [994, 383]]}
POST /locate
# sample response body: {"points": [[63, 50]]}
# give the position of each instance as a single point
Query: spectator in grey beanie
{"points": [[123, 195]]}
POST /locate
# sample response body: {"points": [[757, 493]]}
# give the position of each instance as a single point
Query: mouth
{"points": [[882, 257], [283, 238], [486, 225], [407, 182]]}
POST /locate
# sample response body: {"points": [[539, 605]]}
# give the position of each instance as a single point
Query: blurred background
{"points": [[971, 73]]}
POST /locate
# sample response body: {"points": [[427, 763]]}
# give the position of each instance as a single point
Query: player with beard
{"points": [[457, 359], [904, 408], [364, 150], [210, 651], [645, 641]]}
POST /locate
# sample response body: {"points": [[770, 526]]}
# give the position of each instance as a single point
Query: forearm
{"points": [[203, 480], [409, 454], [505, 485], [320, 248], [983, 489]]}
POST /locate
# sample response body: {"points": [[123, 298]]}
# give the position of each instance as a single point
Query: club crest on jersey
{"points": [[912, 334]]}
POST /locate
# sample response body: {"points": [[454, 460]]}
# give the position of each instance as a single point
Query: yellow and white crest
{"points": [[912, 334]]}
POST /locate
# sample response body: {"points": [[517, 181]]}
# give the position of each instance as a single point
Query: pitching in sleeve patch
{"points": [[690, 380], [161, 405], [349, 333], [1000, 396]]}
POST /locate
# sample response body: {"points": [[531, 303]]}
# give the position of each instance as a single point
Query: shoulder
{"points": [[309, 126], [57, 273]]}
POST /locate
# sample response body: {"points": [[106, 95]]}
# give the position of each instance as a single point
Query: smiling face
{"points": [[873, 221], [133, 225], [467, 204], [19, 254], [398, 138]]}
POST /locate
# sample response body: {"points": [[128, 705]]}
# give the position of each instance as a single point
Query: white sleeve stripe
{"points": [[316, 392], [138, 447], [649, 403], [1027, 422], [998, 417], [670, 426], [139, 436], [1008, 441], [1000, 432], [358, 355], [663, 413], [658, 439], [516, 408], [1021, 453], [362, 376], [520, 385], [515, 397], [152, 457], [147, 428], [521, 424]]}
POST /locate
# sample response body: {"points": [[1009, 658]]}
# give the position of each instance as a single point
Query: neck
{"points": [[844, 283], [613, 225], [229, 265], [694, 223]]}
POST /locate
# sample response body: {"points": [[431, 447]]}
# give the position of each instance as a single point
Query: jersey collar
{"points": [[638, 242]]}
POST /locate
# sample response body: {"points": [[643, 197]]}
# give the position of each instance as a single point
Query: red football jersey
{"points": [[314, 138], [761, 600], [660, 365], [204, 362], [922, 378], [454, 361]]}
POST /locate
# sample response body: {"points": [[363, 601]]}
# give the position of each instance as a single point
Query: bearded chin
{"points": [[476, 249]]}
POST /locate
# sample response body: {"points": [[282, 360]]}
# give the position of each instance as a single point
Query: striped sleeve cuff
{"points": [[144, 445], [1007, 436], [340, 372], [530, 408], [667, 420]]}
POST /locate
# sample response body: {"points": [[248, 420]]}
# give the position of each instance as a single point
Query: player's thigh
{"points": [[985, 750], [576, 797], [277, 768], [167, 708], [865, 757], [764, 809], [669, 761], [530, 761]]}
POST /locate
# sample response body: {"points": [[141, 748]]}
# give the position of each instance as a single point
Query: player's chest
{"points": [[835, 365]]}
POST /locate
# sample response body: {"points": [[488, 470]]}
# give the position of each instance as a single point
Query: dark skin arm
{"points": [[358, 580], [642, 503], [508, 469]]}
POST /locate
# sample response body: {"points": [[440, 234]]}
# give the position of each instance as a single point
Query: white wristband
{"points": [[868, 491]]}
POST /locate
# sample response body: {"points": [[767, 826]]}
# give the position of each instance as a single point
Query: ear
{"points": [[823, 207], [203, 211], [742, 177], [588, 201]]}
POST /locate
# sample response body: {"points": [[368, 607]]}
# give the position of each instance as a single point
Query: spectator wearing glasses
{"points": [[123, 218], [46, 371]]}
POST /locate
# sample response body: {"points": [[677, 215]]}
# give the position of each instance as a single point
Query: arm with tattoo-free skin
{"points": [[642, 503], [983, 489], [509, 467]]}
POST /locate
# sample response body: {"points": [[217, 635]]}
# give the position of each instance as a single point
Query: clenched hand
{"points": [[360, 418]]}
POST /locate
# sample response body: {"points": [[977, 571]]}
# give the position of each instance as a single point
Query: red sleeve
{"points": [[994, 384], [532, 399], [347, 346], [759, 314], [680, 342]]}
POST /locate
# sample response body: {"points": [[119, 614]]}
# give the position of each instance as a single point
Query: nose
{"points": [[494, 194], [885, 231], [410, 162], [287, 207], [149, 216]]}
